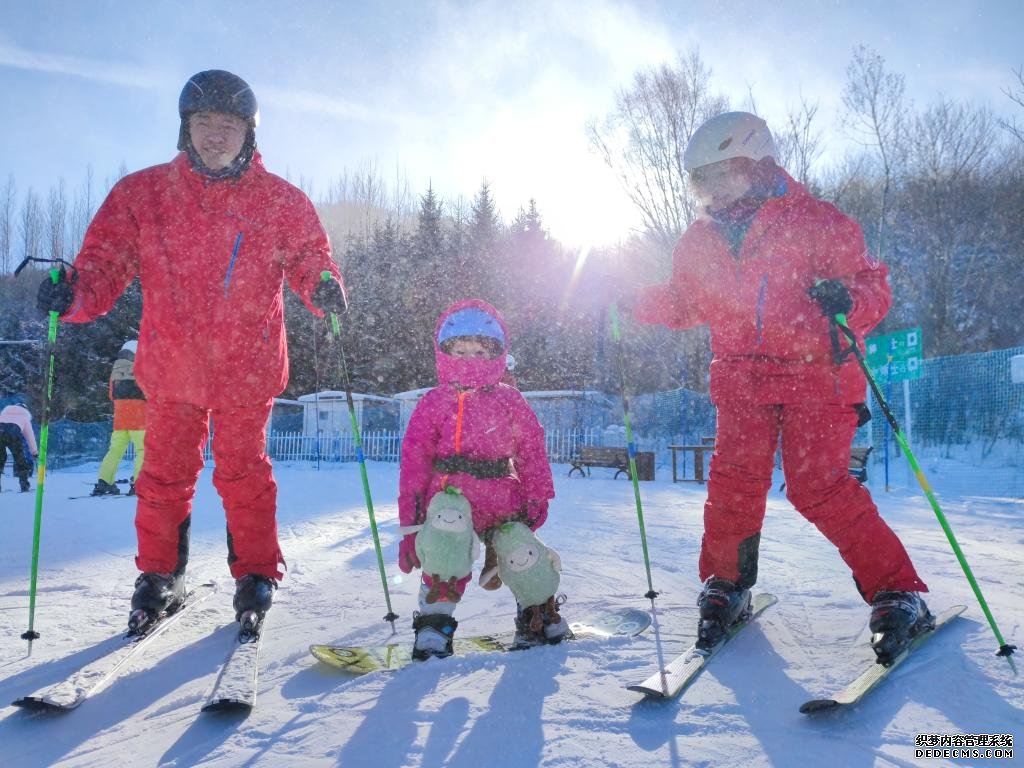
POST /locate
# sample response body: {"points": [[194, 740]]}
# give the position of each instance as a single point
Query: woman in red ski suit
{"points": [[746, 272], [212, 250], [480, 436]]}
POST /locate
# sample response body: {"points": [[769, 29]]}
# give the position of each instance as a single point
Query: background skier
{"points": [[766, 266], [479, 436], [129, 421], [16, 436], [212, 236]]}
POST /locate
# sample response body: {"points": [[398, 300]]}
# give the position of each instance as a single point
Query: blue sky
{"points": [[452, 93]]}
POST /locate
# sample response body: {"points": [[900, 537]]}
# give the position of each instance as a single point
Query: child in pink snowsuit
{"points": [[479, 436]]}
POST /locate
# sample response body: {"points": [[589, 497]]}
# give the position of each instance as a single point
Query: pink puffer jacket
{"points": [[471, 415]]}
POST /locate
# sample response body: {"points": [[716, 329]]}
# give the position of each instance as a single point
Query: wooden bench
{"points": [[858, 466], [614, 458], [859, 463], [698, 460]]}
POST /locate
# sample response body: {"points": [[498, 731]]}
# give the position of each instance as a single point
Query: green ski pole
{"points": [[44, 440], [1005, 649], [613, 314], [336, 332]]}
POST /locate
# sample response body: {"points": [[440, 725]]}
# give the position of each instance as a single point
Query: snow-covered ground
{"points": [[556, 706]]}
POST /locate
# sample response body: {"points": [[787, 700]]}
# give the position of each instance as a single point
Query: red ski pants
{"points": [[816, 440], [176, 434]]}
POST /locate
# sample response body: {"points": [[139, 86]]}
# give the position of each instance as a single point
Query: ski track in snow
{"points": [[557, 706]]}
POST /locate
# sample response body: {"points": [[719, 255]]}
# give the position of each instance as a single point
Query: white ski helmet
{"points": [[130, 346], [731, 134]]}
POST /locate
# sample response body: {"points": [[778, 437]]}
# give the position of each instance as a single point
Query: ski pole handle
{"points": [[326, 277]]}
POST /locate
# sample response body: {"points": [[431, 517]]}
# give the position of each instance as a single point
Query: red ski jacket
{"points": [[769, 339], [212, 257]]}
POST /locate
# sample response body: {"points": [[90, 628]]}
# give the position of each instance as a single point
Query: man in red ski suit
{"points": [[212, 236], [766, 266]]}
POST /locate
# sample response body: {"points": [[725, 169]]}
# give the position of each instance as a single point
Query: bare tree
{"points": [[950, 221], [81, 212], [110, 181], [800, 143], [1016, 94], [361, 200], [30, 226], [876, 109], [56, 220], [644, 137], [8, 199]]}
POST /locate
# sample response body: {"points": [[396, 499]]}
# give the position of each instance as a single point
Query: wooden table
{"points": [[698, 462]]}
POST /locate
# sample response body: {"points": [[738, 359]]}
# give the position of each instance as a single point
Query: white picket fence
{"points": [[384, 445]]}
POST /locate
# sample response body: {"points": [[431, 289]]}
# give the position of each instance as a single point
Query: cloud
{"points": [[133, 76], [330, 106], [116, 73]]}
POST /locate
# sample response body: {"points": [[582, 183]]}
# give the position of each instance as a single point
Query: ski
{"points": [[874, 674], [94, 676], [361, 660], [669, 682], [103, 496], [235, 689]]}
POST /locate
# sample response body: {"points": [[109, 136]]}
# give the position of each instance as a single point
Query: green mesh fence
{"points": [[966, 427]]}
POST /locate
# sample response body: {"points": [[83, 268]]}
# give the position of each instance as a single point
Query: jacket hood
{"points": [[469, 373]]}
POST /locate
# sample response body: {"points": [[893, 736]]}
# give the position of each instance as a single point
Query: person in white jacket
{"points": [[16, 436]]}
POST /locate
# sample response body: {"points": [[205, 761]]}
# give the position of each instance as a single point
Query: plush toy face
{"points": [[522, 558], [448, 519]]}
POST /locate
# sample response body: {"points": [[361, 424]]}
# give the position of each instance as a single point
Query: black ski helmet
{"points": [[216, 90]]}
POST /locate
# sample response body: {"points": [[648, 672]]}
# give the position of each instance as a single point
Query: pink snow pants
{"points": [[176, 434], [816, 440]]}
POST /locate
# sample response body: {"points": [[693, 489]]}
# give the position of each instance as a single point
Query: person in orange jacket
{"points": [[129, 422], [767, 266], [212, 236]]}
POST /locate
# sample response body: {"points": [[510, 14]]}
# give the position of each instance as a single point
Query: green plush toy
{"points": [[529, 568], [446, 543]]}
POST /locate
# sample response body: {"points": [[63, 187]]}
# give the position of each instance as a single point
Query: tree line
{"points": [[938, 190]]}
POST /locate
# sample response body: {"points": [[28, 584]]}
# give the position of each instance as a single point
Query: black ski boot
{"points": [[253, 595], [155, 594], [25, 487], [896, 619], [103, 488], [435, 635], [721, 605]]}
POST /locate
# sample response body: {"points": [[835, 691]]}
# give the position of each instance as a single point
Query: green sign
{"points": [[896, 356]]}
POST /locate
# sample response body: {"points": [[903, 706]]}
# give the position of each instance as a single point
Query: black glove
{"points": [[832, 297], [329, 297], [55, 297]]}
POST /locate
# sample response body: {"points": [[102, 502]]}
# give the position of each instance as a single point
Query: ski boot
{"points": [[155, 594], [103, 488], [131, 487], [896, 619], [435, 633], [721, 605], [253, 595], [541, 624], [25, 487]]}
